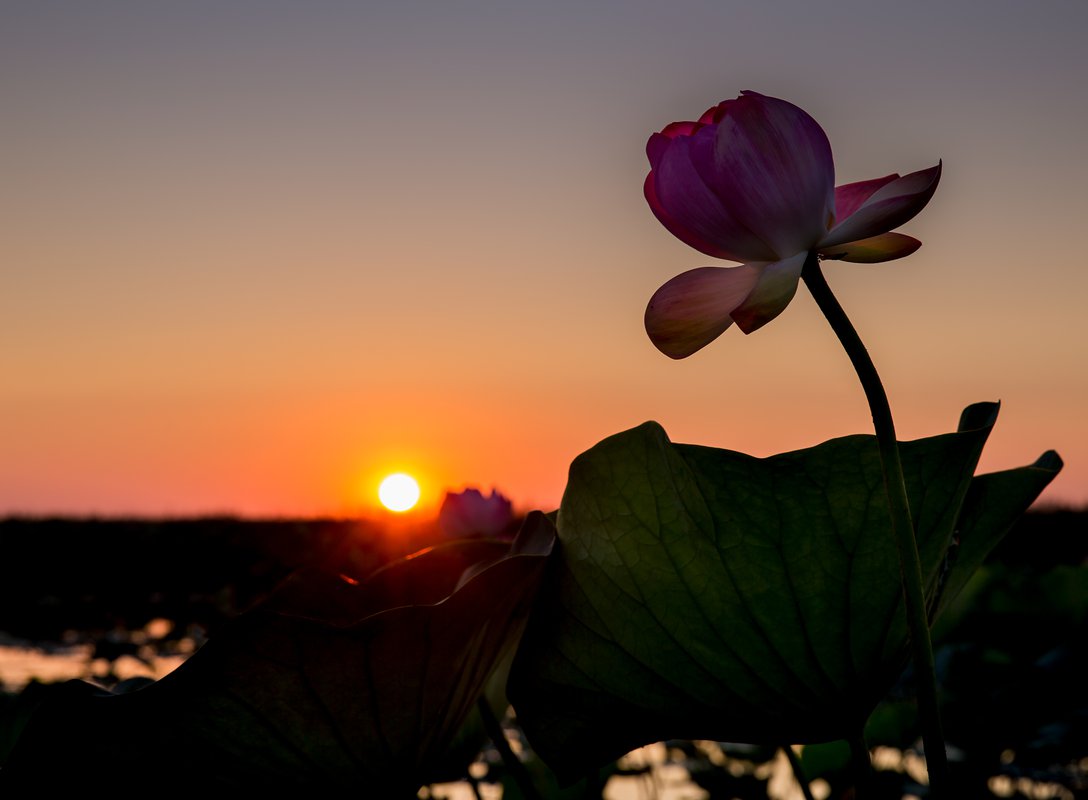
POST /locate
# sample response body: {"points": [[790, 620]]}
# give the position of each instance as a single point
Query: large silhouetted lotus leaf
{"points": [[330, 685], [706, 594]]}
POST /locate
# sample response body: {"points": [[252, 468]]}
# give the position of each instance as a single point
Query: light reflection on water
{"points": [[23, 662], [666, 781]]}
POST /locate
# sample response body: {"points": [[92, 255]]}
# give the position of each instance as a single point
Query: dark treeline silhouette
{"points": [[88, 575], [61, 574], [1046, 537]]}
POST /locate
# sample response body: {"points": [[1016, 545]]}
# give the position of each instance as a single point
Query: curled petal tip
{"points": [[892, 204]]}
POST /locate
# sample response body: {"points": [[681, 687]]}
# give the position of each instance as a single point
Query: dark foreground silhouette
{"points": [[1012, 652]]}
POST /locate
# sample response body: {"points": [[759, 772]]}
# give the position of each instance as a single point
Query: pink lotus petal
{"points": [[657, 142], [850, 196], [692, 310], [685, 128], [888, 207], [772, 293], [714, 114], [673, 226], [771, 165], [885, 247], [693, 211]]}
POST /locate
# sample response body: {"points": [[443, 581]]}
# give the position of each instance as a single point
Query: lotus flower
{"points": [[753, 181], [471, 513]]}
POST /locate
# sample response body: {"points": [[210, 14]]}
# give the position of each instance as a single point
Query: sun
{"points": [[399, 492]]}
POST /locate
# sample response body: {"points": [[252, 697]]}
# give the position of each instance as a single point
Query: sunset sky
{"points": [[256, 255]]}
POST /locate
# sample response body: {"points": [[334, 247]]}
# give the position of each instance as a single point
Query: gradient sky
{"points": [[257, 254]]}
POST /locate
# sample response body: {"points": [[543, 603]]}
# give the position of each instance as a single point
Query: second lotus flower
{"points": [[472, 513], [754, 181]]}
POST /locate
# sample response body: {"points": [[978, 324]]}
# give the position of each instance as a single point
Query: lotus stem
{"points": [[798, 772], [861, 764], [902, 526], [498, 738]]}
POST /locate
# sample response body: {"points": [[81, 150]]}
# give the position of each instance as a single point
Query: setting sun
{"points": [[399, 492]]}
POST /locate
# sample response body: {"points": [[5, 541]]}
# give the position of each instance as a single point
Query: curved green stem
{"points": [[902, 525]]}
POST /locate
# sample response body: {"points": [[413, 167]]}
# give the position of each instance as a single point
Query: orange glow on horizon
{"points": [[380, 492]]}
